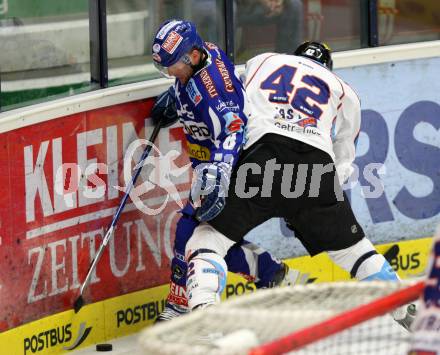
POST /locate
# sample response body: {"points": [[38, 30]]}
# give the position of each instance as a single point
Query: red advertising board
{"points": [[58, 196]]}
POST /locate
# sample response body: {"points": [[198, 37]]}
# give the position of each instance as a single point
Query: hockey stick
{"points": [[80, 300]]}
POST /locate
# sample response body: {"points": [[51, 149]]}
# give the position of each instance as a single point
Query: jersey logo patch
{"points": [[229, 87], [293, 127], [197, 130], [307, 122], [193, 92], [209, 84], [233, 123], [230, 105], [198, 152], [171, 42]]}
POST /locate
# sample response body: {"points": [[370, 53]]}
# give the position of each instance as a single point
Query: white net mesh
{"points": [[238, 325], [378, 336]]}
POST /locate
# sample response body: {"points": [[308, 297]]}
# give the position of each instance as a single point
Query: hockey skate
{"points": [[408, 317], [283, 277], [171, 311]]}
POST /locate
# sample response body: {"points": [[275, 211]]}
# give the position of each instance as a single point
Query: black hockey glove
{"points": [[164, 111]]}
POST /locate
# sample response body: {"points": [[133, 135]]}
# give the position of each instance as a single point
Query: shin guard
{"points": [[207, 269], [206, 278]]}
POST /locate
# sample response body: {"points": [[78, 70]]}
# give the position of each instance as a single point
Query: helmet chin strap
{"points": [[196, 67]]}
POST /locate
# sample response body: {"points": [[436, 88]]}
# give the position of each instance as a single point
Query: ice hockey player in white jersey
{"points": [[300, 145], [300, 98]]}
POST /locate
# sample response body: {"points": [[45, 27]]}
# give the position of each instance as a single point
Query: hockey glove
{"points": [[164, 111], [210, 189]]}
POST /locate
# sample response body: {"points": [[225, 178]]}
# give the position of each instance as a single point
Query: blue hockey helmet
{"points": [[173, 40], [317, 51]]}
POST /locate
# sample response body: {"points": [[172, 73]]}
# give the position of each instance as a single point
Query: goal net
{"points": [[332, 318]]}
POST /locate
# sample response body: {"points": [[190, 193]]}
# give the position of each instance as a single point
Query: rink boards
{"points": [[47, 238]]}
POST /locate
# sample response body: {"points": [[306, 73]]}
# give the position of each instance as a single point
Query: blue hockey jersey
{"points": [[211, 107]]}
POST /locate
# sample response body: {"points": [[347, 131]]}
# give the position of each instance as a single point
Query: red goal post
{"points": [[340, 322]]}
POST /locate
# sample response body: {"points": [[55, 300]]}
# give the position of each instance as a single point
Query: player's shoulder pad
{"points": [[223, 105], [258, 59], [217, 80], [205, 83], [252, 66]]}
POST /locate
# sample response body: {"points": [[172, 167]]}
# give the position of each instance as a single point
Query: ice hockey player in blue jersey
{"points": [[211, 105]]}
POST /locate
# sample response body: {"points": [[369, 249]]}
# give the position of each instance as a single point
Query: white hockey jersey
{"points": [[296, 97]]}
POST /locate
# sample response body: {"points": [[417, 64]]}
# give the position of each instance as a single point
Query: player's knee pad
{"points": [[207, 237], [362, 261], [206, 278], [207, 269]]}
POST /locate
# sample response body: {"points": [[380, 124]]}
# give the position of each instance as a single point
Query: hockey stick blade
{"points": [[79, 302]]}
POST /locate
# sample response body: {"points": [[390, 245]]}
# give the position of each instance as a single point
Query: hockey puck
{"points": [[104, 347]]}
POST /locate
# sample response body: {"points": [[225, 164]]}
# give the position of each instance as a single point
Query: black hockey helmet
{"points": [[317, 51]]}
